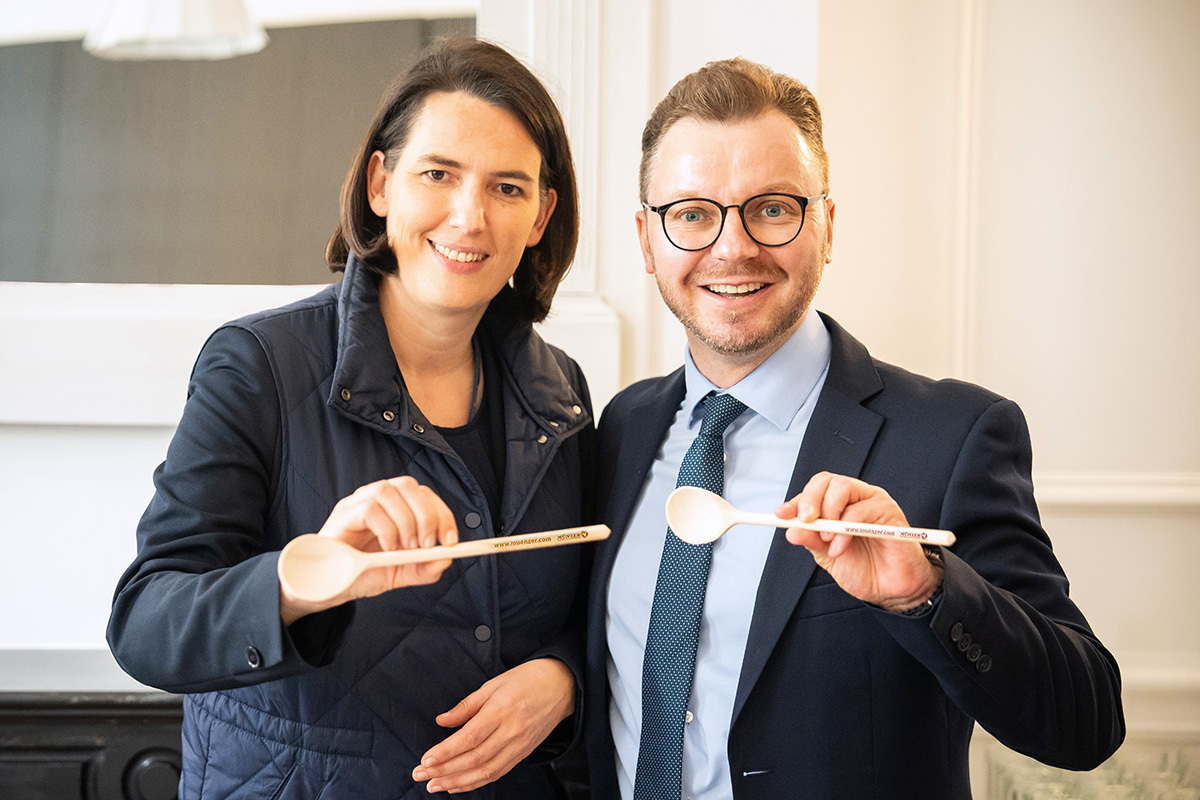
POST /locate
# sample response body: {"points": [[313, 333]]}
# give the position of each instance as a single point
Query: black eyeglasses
{"points": [[772, 220]]}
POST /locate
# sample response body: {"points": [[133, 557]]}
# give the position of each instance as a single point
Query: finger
{"points": [[811, 499], [838, 495], [467, 749], [429, 513], [473, 778]]}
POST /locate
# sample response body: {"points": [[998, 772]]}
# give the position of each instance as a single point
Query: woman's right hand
{"points": [[393, 514]]}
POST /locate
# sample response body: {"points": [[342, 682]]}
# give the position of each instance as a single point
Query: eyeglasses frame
{"points": [[661, 211]]}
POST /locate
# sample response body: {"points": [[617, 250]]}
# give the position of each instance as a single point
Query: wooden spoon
{"points": [[317, 568], [698, 516]]}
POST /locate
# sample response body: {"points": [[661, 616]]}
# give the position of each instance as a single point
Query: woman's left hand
{"points": [[499, 725]]}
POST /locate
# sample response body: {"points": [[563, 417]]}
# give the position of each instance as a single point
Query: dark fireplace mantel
{"points": [[97, 746]]}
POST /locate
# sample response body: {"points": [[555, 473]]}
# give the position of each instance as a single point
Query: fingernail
{"points": [[419, 774], [807, 513], [451, 537], [433, 786]]}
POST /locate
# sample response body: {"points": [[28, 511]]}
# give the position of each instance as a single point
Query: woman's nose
{"points": [[467, 212]]}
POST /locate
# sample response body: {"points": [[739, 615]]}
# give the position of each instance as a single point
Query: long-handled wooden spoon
{"points": [[698, 516], [318, 568]]}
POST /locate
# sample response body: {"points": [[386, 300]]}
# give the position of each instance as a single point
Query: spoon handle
{"points": [[920, 535], [483, 547]]}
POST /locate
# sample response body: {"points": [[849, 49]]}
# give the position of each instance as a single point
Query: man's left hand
{"points": [[894, 575]]}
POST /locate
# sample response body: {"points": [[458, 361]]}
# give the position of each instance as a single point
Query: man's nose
{"points": [[734, 242]]}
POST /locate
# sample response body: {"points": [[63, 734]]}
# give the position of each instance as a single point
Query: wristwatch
{"points": [[935, 558]]}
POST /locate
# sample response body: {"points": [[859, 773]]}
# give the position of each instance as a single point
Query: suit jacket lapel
{"points": [[838, 439]]}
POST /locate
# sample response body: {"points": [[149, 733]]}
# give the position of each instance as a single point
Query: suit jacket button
{"points": [[483, 633], [253, 657], [974, 652], [984, 663], [956, 632], [964, 642]]}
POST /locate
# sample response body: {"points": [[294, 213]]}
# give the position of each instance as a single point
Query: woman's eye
{"points": [[509, 190]]}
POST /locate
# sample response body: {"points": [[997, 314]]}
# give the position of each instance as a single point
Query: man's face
{"points": [[738, 300]]}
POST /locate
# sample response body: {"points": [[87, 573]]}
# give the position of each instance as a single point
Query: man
{"points": [[796, 664]]}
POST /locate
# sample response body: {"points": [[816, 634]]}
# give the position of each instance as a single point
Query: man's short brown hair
{"points": [[730, 91]]}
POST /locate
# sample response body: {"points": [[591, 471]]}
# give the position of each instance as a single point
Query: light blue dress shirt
{"points": [[761, 447]]}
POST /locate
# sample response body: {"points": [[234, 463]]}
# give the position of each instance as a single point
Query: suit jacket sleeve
{"points": [[198, 609], [1006, 642]]}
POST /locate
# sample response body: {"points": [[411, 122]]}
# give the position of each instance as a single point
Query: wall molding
{"points": [[1145, 491]]}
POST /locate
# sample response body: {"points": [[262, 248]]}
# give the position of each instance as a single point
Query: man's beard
{"points": [[727, 338]]}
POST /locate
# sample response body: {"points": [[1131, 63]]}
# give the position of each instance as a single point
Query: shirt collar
{"points": [[778, 387]]}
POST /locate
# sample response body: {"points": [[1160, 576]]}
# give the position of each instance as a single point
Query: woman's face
{"points": [[462, 203]]}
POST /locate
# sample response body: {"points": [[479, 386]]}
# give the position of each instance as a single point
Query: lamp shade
{"points": [[175, 29]]}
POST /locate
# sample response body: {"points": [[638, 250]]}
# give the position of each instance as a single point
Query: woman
{"points": [[417, 392]]}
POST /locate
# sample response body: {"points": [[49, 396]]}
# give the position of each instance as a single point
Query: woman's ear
{"points": [[545, 209], [377, 181]]}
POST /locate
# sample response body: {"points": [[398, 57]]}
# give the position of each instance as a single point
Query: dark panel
{"points": [[57, 746]]}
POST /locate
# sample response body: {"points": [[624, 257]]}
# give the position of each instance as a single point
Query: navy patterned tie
{"points": [[670, 660]]}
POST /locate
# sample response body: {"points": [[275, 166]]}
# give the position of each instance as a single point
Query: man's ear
{"points": [[377, 178], [643, 229], [829, 209]]}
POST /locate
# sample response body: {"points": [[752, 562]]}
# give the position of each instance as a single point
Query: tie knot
{"points": [[719, 411]]}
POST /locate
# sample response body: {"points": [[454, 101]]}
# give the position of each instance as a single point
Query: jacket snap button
{"points": [[483, 633], [389, 416], [553, 424], [542, 439], [984, 663], [418, 428], [345, 394], [253, 658], [577, 409], [472, 519]]}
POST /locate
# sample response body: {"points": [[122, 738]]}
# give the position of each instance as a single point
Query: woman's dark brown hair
{"points": [[490, 73]]}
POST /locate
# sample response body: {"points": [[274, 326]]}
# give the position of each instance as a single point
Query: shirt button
{"points": [[253, 657], [472, 519], [688, 717], [389, 416], [345, 394], [483, 633]]}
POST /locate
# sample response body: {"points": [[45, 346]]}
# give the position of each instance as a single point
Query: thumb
{"points": [[462, 713]]}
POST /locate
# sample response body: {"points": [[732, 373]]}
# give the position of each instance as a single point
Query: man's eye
{"points": [[773, 210], [690, 216], [436, 174]]}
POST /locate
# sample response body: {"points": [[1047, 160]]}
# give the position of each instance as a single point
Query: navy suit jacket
{"points": [[840, 699]]}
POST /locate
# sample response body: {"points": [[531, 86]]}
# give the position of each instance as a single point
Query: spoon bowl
{"points": [[698, 516]]}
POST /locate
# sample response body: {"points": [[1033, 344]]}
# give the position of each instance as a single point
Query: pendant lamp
{"points": [[174, 29]]}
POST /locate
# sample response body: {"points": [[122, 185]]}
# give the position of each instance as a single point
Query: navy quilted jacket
{"points": [[286, 415]]}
